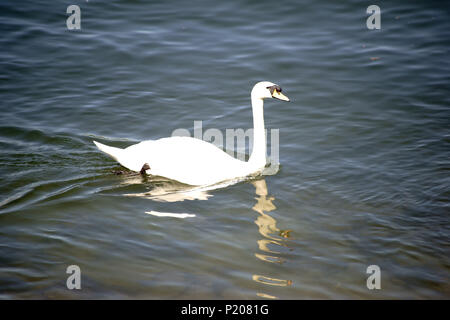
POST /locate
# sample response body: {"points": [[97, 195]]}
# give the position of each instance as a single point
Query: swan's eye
{"points": [[273, 88]]}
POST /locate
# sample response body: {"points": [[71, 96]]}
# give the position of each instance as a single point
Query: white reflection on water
{"points": [[171, 191], [164, 190], [165, 193], [170, 214]]}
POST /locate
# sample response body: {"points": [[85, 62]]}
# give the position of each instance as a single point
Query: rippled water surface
{"points": [[364, 149]]}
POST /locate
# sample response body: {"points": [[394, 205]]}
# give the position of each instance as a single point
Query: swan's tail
{"points": [[115, 153]]}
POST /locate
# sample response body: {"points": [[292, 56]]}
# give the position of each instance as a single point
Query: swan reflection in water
{"points": [[170, 191], [272, 236], [164, 190]]}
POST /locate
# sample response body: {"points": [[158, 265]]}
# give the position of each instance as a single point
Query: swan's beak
{"points": [[278, 95]]}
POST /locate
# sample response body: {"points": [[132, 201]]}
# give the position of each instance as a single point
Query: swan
{"points": [[196, 162]]}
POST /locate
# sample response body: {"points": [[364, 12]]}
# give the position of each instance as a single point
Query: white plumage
{"points": [[196, 162]]}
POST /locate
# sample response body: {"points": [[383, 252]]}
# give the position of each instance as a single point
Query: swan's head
{"points": [[266, 89]]}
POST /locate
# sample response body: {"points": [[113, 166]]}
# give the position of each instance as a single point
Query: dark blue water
{"points": [[364, 149]]}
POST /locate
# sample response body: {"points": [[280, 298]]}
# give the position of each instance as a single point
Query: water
{"points": [[364, 149]]}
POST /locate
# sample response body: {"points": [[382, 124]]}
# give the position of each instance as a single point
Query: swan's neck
{"points": [[258, 157]]}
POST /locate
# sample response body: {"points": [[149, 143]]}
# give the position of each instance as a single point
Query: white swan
{"points": [[196, 162]]}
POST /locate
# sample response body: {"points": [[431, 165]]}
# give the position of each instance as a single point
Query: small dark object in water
{"points": [[285, 233], [118, 172], [145, 167]]}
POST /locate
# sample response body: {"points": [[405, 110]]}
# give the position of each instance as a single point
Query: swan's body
{"points": [[185, 159], [196, 162]]}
